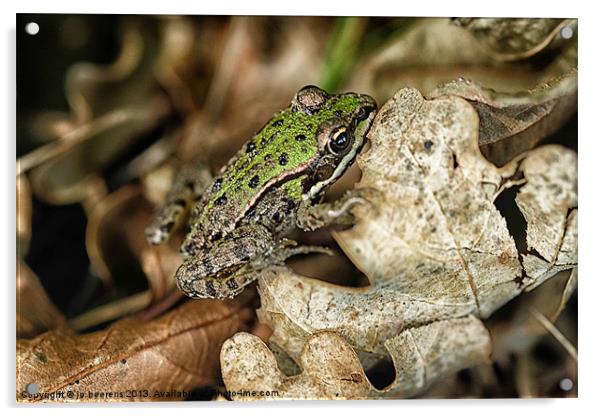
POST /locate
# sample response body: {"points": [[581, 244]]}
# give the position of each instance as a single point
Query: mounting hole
{"points": [[32, 28], [566, 32], [566, 384], [32, 388]]}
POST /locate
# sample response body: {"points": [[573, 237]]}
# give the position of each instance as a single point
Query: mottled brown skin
{"points": [[274, 184]]}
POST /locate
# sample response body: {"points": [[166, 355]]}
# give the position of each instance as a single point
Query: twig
{"points": [[111, 311], [569, 288], [545, 322]]}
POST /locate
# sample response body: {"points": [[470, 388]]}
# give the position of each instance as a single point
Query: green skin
{"points": [[272, 185]]}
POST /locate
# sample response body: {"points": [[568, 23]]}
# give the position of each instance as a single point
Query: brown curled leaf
{"points": [[519, 103], [160, 264], [23, 215], [94, 90], [64, 168], [429, 52], [236, 102], [35, 311], [178, 351], [115, 251]]}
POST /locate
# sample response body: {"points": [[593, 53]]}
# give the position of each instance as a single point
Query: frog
{"points": [[240, 219]]}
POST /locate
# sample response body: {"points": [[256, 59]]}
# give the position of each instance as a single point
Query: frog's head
{"points": [[342, 123], [303, 149]]}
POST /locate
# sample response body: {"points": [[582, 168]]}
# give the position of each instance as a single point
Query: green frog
{"points": [[239, 220]]}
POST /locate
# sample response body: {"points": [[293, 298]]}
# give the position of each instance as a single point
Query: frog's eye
{"points": [[340, 141]]}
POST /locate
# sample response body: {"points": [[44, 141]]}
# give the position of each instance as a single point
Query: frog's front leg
{"points": [[312, 217], [188, 185]]}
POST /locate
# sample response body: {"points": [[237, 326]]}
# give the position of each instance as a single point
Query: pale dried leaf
{"points": [[429, 52], [330, 369], [435, 50], [549, 203], [513, 39], [512, 123], [427, 353], [431, 240]]}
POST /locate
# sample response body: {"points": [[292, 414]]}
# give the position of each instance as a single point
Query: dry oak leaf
{"points": [[431, 241], [514, 39], [178, 351], [332, 370], [435, 50], [511, 123], [429, 52]]}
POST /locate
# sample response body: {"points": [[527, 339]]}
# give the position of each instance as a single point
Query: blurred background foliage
{"points": [[108, 106]]}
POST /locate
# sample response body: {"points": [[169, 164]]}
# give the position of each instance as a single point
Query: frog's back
{"points": [[279, 151]]}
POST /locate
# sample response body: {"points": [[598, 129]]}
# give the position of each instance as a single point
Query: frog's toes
{"points": [[294, 251], [342, 208], [197, 279], [192, 281]]}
